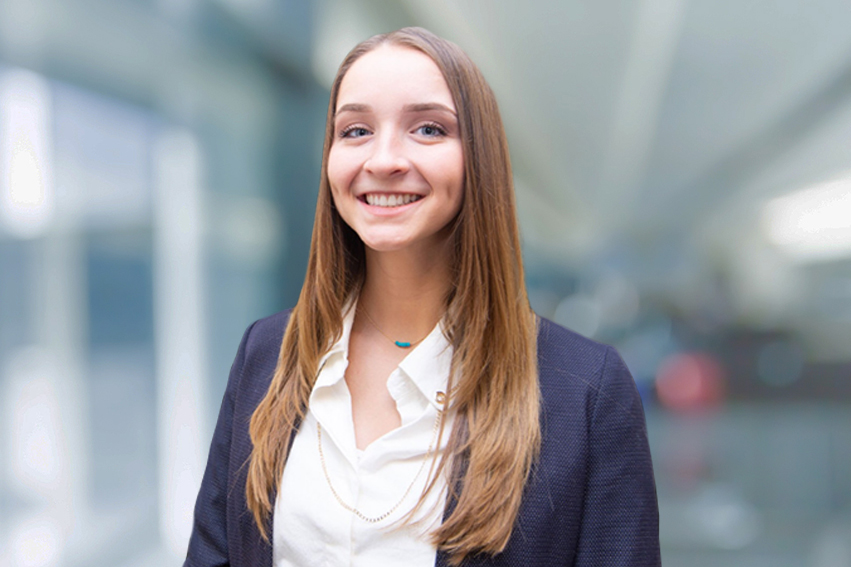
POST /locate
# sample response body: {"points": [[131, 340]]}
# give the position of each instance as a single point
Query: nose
{"points": [[388, 156]]}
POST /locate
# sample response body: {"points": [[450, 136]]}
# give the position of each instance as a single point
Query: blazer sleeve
{"points": [[208, 544], [620, 521]]}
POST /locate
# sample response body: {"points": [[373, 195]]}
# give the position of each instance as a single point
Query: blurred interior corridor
{"points": [[683, 176]]}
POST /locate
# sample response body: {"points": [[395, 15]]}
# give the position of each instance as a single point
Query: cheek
{"points": [[457, 183], [339, 171]]}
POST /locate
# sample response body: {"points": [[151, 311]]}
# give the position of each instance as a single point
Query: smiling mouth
{"points": [[390, 200]]}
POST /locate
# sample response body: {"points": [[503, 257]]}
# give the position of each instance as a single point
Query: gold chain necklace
{"points": [[400, 344], [355, 511]]}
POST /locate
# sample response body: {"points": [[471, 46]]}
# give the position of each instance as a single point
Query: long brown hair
{"points": [[496, 433]]}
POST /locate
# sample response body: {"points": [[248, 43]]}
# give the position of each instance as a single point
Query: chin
{"points": [[383, 245], [386, 240]]}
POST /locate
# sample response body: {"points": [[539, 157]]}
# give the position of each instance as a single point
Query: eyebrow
{"points": [[418, 107], [353, 108], [426, 106]]}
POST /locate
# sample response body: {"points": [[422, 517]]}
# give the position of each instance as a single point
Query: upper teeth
{"points": [[385, 200]]}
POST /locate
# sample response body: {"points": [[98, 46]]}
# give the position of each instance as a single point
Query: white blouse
{"points": [[311, 527]]}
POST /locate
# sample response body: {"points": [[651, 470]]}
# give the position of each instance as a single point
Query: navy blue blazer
{"points": [[589, 501]]}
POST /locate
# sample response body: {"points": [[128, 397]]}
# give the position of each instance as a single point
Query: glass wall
{"points": [[143, 226]]}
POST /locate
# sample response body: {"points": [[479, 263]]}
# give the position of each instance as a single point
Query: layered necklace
{"points": [[441, 397]]}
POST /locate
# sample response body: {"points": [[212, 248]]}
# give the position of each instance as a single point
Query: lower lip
{"points": [[388, 211]]}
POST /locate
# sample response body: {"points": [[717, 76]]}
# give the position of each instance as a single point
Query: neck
{"points": [[405, 295]]}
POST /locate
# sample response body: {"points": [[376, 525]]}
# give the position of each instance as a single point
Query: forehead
{"points": [[391, 75]]}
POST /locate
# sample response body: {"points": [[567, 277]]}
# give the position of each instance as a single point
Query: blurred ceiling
{"points": [[621, 112]]}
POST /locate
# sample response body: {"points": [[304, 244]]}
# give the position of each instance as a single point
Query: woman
{"points": [[411, 409]]}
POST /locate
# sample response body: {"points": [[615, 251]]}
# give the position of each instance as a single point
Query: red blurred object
{"points": [[689, 382]]}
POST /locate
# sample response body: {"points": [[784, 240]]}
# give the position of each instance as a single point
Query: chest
{"points": [[550, 516]]}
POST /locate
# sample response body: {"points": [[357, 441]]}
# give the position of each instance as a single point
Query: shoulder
{"points": [[595, 458], [562, 352], [251, 374], [263, 337], [258, 353], [594, 461], [573, 367]]}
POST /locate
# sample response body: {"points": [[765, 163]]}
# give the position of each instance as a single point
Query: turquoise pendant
{"points": [[400, 344]]}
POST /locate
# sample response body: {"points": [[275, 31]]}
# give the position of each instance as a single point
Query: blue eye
{"points": [[431, 130], [354, 132]]}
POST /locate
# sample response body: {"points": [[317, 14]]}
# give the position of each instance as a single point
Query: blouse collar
{"points": [[427, 364]]}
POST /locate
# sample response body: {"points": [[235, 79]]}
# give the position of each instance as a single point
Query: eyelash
{"points": [[439, 130], [346, 132]]}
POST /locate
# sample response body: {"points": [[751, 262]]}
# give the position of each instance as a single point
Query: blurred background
{"points": [[683, 172]]}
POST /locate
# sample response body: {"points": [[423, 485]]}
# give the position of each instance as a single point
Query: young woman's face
{"points": [[396, 164]]}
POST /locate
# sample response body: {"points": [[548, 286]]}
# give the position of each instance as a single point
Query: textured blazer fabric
{"points": [[590, 500]]}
